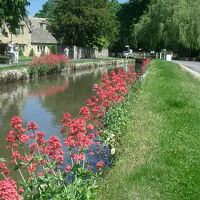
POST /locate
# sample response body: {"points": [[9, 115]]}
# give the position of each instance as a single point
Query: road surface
{"points": [[193, 65]]}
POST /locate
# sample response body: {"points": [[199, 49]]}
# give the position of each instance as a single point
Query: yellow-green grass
{"points": [[161, 148]]}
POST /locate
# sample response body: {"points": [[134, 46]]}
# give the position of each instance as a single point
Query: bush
{"points": [[4, 59], [21, 52], [53, 49], [32, 53], [47, 64]]}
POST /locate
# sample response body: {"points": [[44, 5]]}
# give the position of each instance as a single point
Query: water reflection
{"points": [[44, 100]]}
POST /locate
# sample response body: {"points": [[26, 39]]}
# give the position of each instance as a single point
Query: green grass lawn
{"points": [[13, 67], [161, 148], [25, 58]]}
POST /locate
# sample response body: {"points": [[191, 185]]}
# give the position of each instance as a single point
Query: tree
{"points": [[21, 52], [32, 53], [128, 14], [83, 22], [12, 12], [53, 49], [46, 10], [171, 24]]}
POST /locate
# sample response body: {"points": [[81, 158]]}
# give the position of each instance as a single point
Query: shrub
{"points": [[32, 53], [21, 52], [53, 49], [47, 64]]}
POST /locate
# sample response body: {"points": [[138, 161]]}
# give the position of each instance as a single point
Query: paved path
{"points": [[193, 65]]}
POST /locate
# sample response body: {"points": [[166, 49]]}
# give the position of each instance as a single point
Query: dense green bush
{"points": [[32, 53], [53, 49], [21, 52]]}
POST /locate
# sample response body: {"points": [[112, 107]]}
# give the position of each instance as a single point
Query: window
{"points": [[41, 48]]}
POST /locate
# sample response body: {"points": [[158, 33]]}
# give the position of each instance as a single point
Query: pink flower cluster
{"points": [[113, 89], [50, 149], [8, 190], [50, 60]]}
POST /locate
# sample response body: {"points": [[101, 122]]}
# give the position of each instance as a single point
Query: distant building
{"points": [[31, 34]]}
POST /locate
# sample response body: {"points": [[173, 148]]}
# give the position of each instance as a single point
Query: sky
{"points": [[36, 5]]}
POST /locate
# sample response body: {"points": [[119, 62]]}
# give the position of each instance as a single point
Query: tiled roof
{"points": [[41, 36]]}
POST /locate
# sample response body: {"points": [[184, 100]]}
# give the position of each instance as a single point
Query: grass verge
{"points": [[161, 155]]}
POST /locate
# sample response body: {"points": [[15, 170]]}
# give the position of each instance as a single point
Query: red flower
{"points": [[8, 190], [16, 122], [40, 174], [90, 127], [68, 168], [32, 168], [78, 157], [100, 165], [23, 138], [21, 190], [32, 126], [4, 169], [85, 112], [16, 155]]}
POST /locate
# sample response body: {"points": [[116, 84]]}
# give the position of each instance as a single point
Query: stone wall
{"points": [[80, 52], [35, 48]]}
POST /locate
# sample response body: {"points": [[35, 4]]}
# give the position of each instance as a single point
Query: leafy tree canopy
{"points": [[172, 24], [84, 22], [128, 14], [12, 12], [45, 12]]}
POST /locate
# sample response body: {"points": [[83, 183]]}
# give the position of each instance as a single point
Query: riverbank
{"points": [[20, 72], [160, 146]]}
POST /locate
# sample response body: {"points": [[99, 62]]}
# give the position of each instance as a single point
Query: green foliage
{"points": [[42, 70], [83, 23], [32, 53], [21, 52], [128, 14], [12, 13], [115, 123], [169, 24], [59, 186], [46, 10], [53, 49]]}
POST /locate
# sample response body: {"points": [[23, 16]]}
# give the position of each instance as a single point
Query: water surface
{"points": [[45, 100]]}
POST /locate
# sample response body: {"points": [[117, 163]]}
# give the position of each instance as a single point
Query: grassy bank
{"points": [[161, 153]]}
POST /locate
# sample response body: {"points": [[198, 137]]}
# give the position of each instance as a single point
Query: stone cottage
{"points": [[31, 34]]}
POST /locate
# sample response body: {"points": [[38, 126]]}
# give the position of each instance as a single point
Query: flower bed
{"points": [[52, 173], [47, 64]]}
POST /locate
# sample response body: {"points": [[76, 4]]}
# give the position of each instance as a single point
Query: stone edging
{"points": [[23, 74], [79, 66]]}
